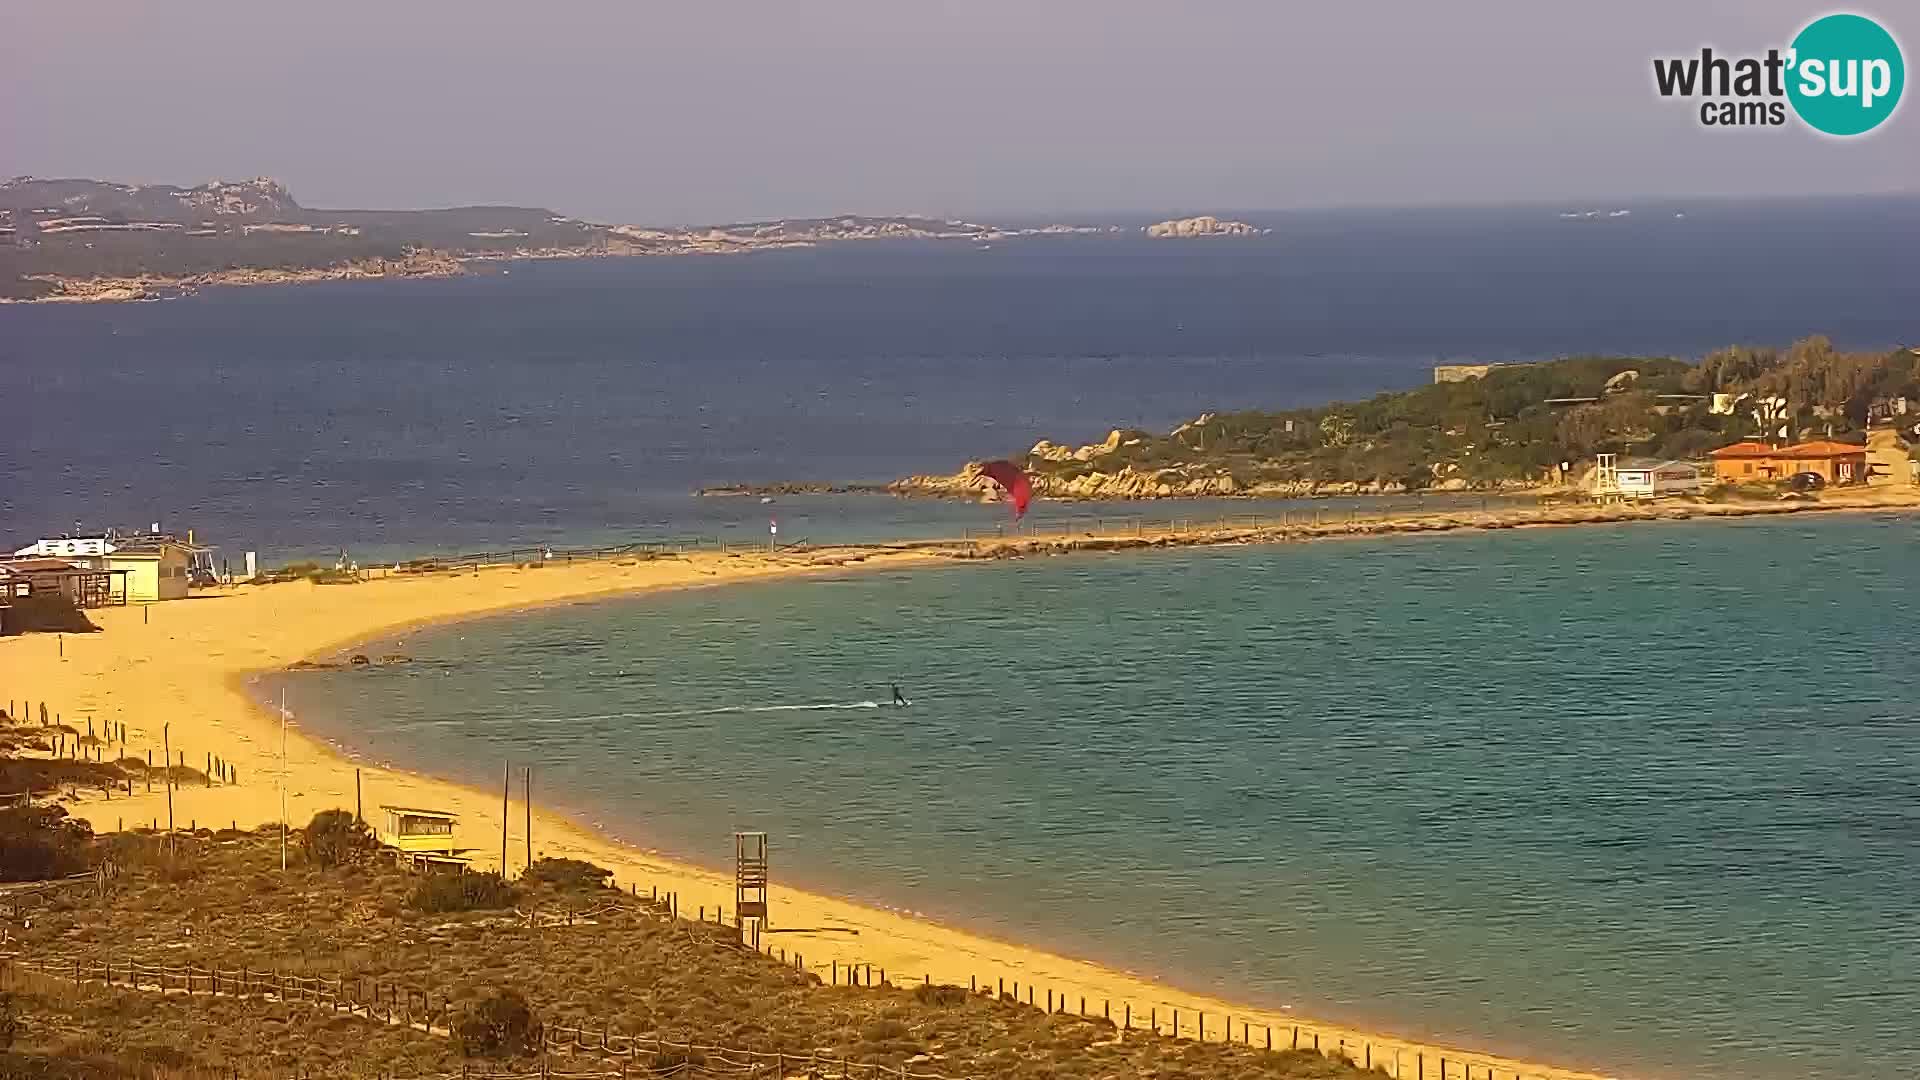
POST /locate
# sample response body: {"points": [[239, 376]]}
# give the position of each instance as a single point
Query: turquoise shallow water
{"points": [[1644, 799]]}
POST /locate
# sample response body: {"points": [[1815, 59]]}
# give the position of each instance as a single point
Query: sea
{"points": [[1640, 799], [576, 402]]}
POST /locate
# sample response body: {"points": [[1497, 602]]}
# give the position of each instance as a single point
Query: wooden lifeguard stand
{"points": [[1606, 477], [750, 877]]}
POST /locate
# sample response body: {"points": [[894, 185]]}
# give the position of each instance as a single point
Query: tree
{"points": [[566, 874], [500, 1025], [335, 838], [40, 842]]}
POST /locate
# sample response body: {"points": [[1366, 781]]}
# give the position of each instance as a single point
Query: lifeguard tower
{"points": [[423, 838], [1606, 478], [750, 880]]}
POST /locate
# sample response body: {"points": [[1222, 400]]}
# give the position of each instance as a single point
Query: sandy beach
{"points": [[185, 663]]}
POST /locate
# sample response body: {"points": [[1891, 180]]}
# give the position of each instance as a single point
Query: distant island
{"points": [[1489, 427], [91, 240], [1204, 225]]}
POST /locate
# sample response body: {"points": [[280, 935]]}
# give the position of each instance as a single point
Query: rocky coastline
{"points": [[766, 490], [1204, 225], [1126, 485], [1130, 484], [160, 286]]}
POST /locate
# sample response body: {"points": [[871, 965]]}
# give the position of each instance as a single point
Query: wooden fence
{"points": [[422, 1009], [65, 743], [410, 1006], [1399, 1059]]}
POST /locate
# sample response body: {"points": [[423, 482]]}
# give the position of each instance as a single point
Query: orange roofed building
{"points": [[1750, 461]]}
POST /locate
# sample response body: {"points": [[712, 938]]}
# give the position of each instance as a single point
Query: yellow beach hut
{"points": [[153, 569], [411, 830]]}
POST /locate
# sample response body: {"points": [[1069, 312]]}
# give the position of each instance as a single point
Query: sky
{"points": [[656, 112]]}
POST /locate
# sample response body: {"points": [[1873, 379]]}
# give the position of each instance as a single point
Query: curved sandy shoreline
{"points": [[185, 664]]}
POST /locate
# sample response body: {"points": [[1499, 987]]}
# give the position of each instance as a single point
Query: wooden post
{"points": [[165, 743], [506, 783], [356, 798], [528, 789]]}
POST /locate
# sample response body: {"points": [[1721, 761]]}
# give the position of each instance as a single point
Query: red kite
{"points": [[1012, 480]]}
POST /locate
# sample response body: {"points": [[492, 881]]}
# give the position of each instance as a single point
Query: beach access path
{"points": [[184, 664]]}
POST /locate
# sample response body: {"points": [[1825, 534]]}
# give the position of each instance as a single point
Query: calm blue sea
{"points": [[574, 402], [1645, 799]]}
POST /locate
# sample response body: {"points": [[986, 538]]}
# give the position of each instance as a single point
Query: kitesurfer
{"points": [[898, 697]]}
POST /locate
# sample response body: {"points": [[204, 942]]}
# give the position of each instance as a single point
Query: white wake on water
{"points": [[681, 714]]}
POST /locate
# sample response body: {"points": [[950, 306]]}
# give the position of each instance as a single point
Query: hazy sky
{"points": [[635, 110]]}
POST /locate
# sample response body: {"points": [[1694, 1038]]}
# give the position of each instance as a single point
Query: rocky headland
{"points": [[1099, 471], [1204, 225], [105, 289], [91, 240]]}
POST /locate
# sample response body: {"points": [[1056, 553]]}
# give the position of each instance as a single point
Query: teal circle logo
{"points": [[1845, 74]]}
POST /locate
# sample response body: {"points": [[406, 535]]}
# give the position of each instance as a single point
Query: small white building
{"points": [[149, 566], [1648, 478]]}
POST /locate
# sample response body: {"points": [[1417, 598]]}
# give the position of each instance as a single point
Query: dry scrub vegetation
{"points": [[591, 956]]}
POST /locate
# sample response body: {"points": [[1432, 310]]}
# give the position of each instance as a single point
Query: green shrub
{"points": [[566, 874], [501, 1025], [438, 893], [941, 995], [334, 838], [38, 842]]}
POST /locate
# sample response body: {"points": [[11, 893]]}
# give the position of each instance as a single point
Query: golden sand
{"points": [[183, 664]]}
